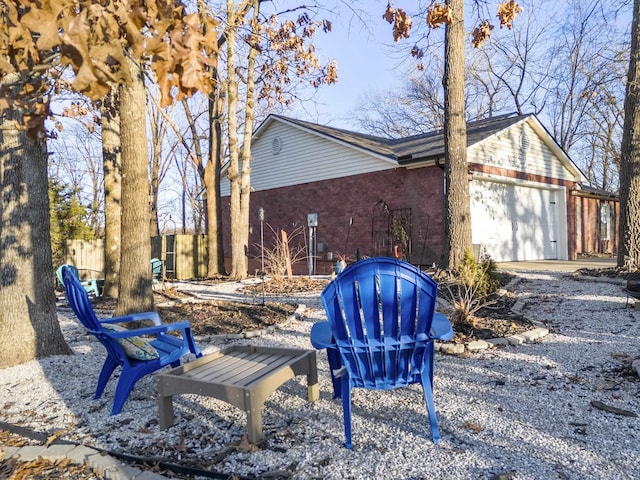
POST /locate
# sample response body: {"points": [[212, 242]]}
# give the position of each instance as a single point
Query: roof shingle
{"points": [[426, 146]]}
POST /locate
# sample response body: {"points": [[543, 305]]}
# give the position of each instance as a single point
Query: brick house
{"points": [[345, 193]]}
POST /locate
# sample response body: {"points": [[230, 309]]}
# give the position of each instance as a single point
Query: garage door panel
{"points": [[490, 218], [514, 222]]}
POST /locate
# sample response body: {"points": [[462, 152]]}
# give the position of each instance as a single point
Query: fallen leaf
{"points": [[472, 426]]}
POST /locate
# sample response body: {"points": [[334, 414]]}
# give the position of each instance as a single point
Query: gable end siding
{"points": [[303, 158], [519, 149]]}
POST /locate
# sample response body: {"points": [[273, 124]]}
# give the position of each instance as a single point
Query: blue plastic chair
{"points": [[156, 269], [91, 285], [380, 333], [169, 348]]}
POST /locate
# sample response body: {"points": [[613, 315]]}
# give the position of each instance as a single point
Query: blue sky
{"points": [[368, 61]]}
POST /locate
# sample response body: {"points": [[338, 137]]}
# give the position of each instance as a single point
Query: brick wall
{"points": [[345, 208], [587, 221]]}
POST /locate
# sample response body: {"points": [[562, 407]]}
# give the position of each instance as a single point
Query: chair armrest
{"points": [[321, 335], [441, 328], [136, 332], [134, 317], [181, 325], [155, 330]]}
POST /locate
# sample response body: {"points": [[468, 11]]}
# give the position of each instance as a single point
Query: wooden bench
{"points": [[243, 376]]}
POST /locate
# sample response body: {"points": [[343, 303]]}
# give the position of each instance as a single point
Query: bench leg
{"points": [[254, 422], [313, 389], [165, 411]]}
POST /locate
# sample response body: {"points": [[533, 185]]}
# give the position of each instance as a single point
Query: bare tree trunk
{"points": [[458, 203], [110, 110], [238, 242], [629, 240], [249, 118], [198, 161], [158, 134], [211, 180], [28, 324], [135, 275]]}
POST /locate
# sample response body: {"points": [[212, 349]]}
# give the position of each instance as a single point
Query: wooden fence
{"points": [[183, 256], [87, 255]]}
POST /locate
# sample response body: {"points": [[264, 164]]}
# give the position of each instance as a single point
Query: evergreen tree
{"points": [[68, 218]]}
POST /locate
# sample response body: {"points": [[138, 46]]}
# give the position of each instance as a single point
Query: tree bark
{"points": [[629, 240], [135, 293], [457, 197], [29, 325], [211, 180], [112, 167], [238, 242], [249, 119]]}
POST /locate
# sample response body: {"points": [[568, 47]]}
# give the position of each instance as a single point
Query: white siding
{"points": [[304, 157], [521, 149]]}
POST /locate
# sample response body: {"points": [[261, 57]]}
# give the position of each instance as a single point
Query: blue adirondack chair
{"points": [[91, 285], [123, 345], [156, 269], [381, 329]]}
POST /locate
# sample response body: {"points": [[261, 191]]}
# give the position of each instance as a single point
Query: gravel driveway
{"points": [[543, 410]]}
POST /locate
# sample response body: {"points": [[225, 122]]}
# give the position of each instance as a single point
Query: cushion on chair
{"points": [[135, 347]]}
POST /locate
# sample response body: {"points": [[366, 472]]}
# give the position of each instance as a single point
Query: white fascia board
{"points": [[424, 163], [263, 126]]}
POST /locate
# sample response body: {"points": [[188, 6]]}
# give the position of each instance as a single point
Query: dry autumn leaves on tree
{"points": [[440, 13], [38, 40]]}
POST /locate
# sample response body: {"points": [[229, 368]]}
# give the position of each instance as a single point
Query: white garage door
{"points": [[514, 222]]}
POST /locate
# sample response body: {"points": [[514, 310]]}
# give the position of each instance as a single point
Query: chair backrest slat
{"points": [[79, 302], [388, 301], [60, 269]]}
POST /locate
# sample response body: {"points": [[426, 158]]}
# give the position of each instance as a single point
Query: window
{"points": [[605, 221]]}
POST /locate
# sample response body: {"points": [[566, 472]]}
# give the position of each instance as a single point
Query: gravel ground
{"points": [[532, 411]]}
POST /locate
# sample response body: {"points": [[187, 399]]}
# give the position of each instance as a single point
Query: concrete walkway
{"points": [[104, 465], [558, 265]]}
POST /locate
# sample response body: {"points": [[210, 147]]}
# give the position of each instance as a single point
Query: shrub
{"points": [[471, 287], [279, 257]]}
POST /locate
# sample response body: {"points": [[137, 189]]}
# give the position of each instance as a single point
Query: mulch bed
{"points": [[224, 317], [221, 318], [612, 272]]}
